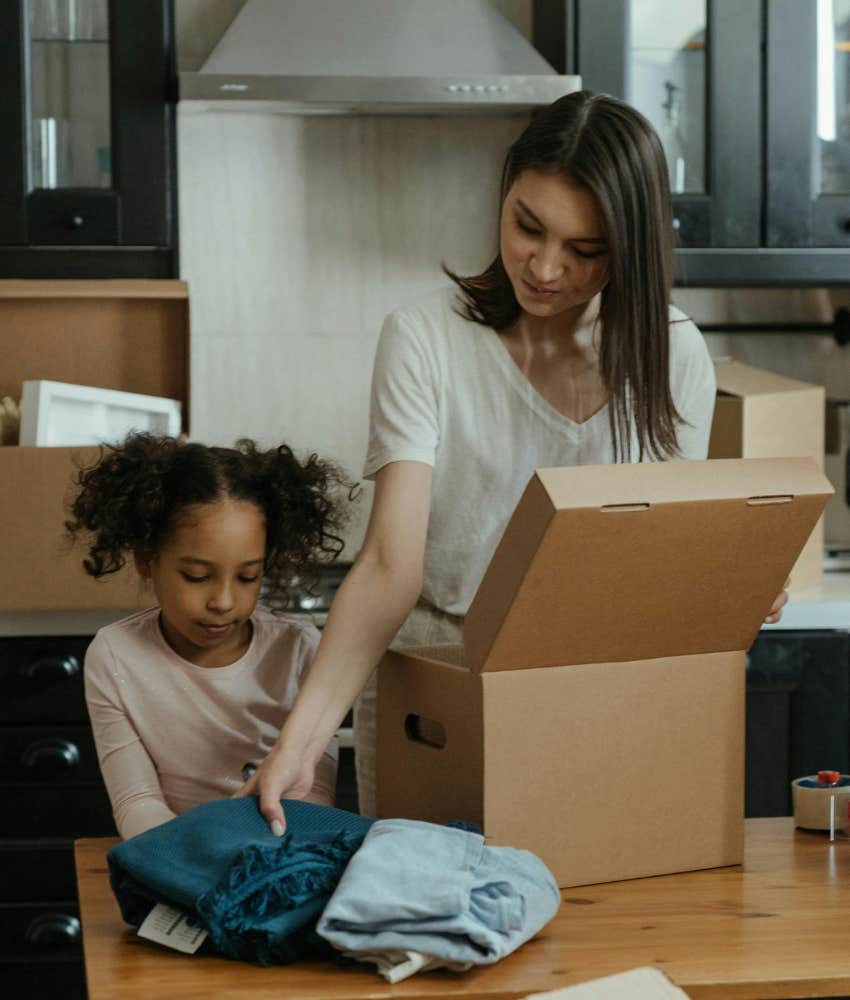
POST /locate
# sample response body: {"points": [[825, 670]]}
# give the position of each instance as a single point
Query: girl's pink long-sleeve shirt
{"points": [[171, 735]]}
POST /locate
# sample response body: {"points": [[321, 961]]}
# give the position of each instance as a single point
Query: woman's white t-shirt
{"points": [[446, 392]]}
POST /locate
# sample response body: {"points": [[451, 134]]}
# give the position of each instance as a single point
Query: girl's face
{"points": [[553, 244], [207, 578]]}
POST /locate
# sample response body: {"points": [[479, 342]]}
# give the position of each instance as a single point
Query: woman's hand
{"points": [[775, 612], [283, 774]]}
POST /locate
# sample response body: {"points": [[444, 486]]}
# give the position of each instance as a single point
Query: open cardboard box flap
{"points": [[603, 564]]}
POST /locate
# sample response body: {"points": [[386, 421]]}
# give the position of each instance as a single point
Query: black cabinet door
{"points": [[697, 79], [798, 713], [87, 140], [742, 94], [808, 125]]}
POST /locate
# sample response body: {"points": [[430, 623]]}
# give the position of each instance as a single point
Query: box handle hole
{"points": [[616, 508], [427, 731], [764, 501]]}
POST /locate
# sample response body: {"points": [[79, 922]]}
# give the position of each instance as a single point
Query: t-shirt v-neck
{"points": [[527, 391]]}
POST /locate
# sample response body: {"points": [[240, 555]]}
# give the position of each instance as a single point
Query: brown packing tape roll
{"points": [[812, 805]]}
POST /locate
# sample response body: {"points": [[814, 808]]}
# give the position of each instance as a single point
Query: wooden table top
{"points": [[777, 926]]}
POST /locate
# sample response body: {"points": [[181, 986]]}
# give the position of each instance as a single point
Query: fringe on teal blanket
{"points": [[266, 906]]}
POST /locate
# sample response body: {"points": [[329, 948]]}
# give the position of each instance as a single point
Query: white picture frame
{"points": [[62, 414]]}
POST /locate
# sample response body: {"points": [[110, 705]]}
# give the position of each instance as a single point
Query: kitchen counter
{"points": [[774, 927], [824, 607], [37, 623], [22, 623]]}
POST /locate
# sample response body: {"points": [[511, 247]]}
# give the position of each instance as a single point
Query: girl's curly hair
{"points": [[130, 501]]}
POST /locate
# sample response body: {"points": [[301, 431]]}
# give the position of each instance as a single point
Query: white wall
{"points": [[297, 235]]}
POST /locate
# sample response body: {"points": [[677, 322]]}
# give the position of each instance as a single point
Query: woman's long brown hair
{"points": [[612, 150]]}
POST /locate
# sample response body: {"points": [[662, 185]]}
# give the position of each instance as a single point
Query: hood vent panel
{"points": [[373, 57]]}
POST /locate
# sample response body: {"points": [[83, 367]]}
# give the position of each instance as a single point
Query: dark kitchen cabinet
{"points": [[798, 713], [87, 139], [752, 104], [52, 793]]}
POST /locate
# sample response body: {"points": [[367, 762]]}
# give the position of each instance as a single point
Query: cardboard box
{"points": [[113, 334], [595, 714], [762, 415], [836, 518]]}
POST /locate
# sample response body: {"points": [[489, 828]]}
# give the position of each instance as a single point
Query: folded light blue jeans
{"points": [[438, 891]]}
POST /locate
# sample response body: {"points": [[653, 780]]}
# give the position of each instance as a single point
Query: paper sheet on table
{"points": [[644, 983]]}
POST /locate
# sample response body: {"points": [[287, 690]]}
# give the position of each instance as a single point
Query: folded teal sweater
{"points": [[257, 895]]}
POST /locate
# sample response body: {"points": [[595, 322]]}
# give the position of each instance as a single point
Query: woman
{"points": [[564, 351]]}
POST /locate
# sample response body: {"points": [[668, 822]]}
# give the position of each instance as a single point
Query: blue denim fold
{"points": [[417, 887], [257, 895]]}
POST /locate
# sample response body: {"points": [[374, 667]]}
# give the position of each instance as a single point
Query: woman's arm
{"points": [[370, 606], [128, 771]]}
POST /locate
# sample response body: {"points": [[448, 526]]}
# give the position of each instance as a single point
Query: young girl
{"points": [[186, 694]]}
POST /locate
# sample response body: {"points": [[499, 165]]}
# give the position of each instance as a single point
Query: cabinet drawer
{"points": [[40, 930], [37, 870], [56, 812], [44, 980], [41, 679], [48, 756]]}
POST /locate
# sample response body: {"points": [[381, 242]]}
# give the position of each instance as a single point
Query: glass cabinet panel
{"points": [[808, 124], [69, 106], [87, 139], [833, 97], [751, 99], [666, 81]]}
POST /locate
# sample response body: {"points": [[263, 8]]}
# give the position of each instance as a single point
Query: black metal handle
{"points": [[847, 478], [839, 327], [842, 326], [50, 669], [52, 931], [50, 755]]}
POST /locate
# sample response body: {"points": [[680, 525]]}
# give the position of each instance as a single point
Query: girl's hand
{"points": [[775, 612], [281, 775]]}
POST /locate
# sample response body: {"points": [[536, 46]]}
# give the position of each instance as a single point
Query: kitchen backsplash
{"points": [[298, 235]]}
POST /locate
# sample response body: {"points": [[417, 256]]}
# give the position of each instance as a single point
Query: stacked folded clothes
{"points": [[404, 895]]}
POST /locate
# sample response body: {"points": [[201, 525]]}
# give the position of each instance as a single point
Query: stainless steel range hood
{"points": [[373, 57]]}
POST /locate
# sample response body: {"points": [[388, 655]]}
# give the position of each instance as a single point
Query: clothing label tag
{"points": [[173, 928]]}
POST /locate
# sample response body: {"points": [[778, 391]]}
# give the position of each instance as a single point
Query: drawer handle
{"points": [[51, 931], [51, 755], [50, 669]]}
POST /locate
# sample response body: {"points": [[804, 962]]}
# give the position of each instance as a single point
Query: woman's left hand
{"points": [[775, 612]]}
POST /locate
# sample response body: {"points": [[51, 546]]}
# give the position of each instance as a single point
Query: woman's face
{"points": [[553, 244]]}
